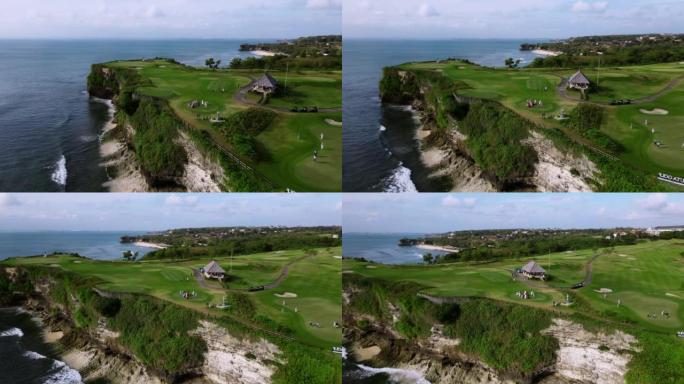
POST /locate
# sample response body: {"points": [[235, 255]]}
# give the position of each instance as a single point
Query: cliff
{"points": [[482, 145], [145, 145]]}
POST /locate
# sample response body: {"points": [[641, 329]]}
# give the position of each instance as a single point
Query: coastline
{"points": [[145, 244], [437, 248], [262, 53], [546, 52]]}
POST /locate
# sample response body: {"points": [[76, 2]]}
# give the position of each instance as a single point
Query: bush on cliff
{"points": [[398, 87], [156, 129]]}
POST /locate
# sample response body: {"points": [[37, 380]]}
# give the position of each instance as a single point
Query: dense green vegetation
{"points": [[311, 52], [494, 135], [505, 336], [397, 89], [282, 63], [156, 129], [246, 245], [242, 128]]}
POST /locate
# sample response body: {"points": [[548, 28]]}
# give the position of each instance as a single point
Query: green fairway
{"points": [[286, 147], [657, 86], [646, 278], [315, 280]]}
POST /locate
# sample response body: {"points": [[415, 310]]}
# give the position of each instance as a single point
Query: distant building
{"points": [[656, 231], [265, 84], [214, 271], [579, 81], [532, 270]]}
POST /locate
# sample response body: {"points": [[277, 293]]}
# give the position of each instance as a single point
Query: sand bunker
{"points": [[333, 122], [671, 294], [286, 295], [77, 261], [371, 266], [338, 257], [604, 290], [363, 354], [655, 111]]}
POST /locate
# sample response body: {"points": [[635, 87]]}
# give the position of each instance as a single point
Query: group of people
{"points": [[534, 103], [187, 295], [655, 315], [525, 294], [315, 152]]}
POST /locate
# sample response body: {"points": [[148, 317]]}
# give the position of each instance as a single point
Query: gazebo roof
{"points": [[533, 267], [266, 81], [213, 267], [579, 78]]}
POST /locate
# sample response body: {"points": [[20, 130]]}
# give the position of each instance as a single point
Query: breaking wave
{"points": [[397, 375], [59, 175], [12, 332], [400, 181]]}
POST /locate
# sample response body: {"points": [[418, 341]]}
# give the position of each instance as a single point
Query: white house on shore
{"points": [[213, 271]]}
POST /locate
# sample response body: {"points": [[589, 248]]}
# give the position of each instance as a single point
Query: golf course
{"points": [[278, 150], [312, 281], [646, 278], [641, 107]]}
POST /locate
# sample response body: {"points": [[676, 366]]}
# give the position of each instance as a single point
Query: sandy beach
{"points": [[545, 52], [145, 244], [436, 248], [261, 53]]}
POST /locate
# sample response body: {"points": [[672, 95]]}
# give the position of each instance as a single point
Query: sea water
{"points": [[49, 126], [94, 245], [380, 150], [384, 248]]}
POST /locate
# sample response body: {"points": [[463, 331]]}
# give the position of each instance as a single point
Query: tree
{"points": [[511, 63], [428, 258], [211, 63]]}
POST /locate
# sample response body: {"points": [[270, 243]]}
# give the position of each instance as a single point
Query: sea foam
{"points": [[33, 355], [400, 181], [59, 175], [397, 375], [12, 332], [63, 374]]}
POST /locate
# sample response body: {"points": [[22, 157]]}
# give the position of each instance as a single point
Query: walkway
{"points": [[241, 97], [563, 92]]}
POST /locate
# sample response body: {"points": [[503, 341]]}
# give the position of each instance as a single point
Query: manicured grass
{"points": [[288, 144], [315, 280], [626, 124], [647, 278]]}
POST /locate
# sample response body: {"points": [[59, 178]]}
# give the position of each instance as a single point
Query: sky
{"points": [[438, 213], [153, 19], [449, 19], [159, 211]]}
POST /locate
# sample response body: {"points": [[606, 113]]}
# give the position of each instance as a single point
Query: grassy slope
{"points": [[286, 151], [316, 280], [624, 123], [640, 276]]}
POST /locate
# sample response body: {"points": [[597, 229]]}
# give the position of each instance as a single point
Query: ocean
{"points": [[24, 356], [379, 145], [49, 127], [383, 248], [94, 245]]}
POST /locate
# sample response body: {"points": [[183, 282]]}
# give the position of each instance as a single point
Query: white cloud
{"points": [[601, 211], [324, 4], [8, 200], [584, 6], [451, 201], [654, 202], [427, 10], [154, 13], [176, 200]]}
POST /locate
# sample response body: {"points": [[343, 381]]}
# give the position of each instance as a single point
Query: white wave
{"points": [[59, 175], [383, 128], [33, 355], [400, 181], [12, 332], [397, 375], [63, 375]]}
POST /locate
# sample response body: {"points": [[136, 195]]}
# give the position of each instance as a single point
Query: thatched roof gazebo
{"points": [[579, 81]]}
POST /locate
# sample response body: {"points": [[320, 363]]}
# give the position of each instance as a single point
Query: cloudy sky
{"points": [[169, 18], [430, 213], [508, 18], [150, 211]]}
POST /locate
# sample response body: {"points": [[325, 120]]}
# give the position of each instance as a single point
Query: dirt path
{"points": [[563, 92], [203, 282]]}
